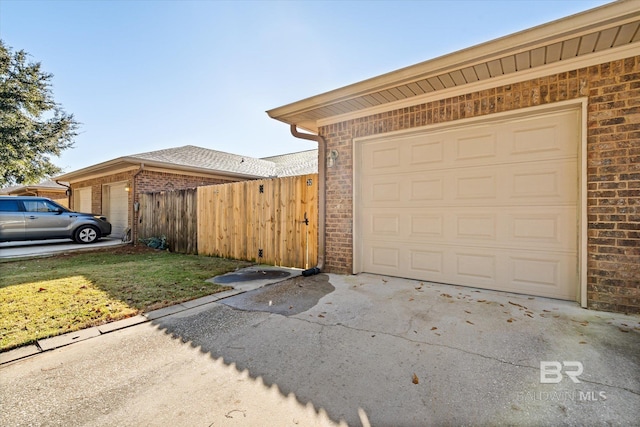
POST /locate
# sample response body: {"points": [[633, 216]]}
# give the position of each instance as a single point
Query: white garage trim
{"points": [[470, 216]]}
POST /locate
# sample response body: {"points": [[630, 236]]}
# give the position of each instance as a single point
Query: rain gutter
{"points": [[322, 159]]}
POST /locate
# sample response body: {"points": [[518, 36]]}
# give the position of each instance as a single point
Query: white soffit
{"points": [[610, 31]]}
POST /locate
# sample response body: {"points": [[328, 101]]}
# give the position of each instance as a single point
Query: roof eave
{"points": [[108, 167], [524, 40]]}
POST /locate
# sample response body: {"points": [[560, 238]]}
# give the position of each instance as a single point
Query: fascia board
{"points": [[558, 30]]}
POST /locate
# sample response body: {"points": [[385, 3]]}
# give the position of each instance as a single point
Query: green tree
{"points": [[32, 126]]}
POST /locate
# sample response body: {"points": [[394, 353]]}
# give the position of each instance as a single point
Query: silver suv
{"points": [[39, 218]]}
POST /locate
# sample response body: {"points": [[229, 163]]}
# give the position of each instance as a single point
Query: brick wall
{"points": [[145, 181], [151, 181], [96, 189], [613, 175]]}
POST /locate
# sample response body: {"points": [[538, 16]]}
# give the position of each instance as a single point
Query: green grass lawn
{"points": [[44, 297]]}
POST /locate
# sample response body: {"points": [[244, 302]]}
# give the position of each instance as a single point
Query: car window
{"points": [[9, 206], [40, 206]]}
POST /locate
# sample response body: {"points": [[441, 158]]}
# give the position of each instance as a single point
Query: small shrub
{"points": [[156, 242]]}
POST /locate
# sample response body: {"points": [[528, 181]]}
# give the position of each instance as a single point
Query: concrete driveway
{"points": [[48, 247], [337, 350]]}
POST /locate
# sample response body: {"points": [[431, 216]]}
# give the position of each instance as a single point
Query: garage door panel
{"points": [[425, 152], [527, 140], [551, 182], [427, 261], [545, 274], [539, 228], [480, 146], [492, 205]]}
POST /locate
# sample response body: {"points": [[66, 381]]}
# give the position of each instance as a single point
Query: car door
{"points": [[45, 220], [11, 220]]}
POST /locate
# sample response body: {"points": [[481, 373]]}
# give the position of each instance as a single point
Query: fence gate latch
{"points": [[260, 255], [309, 182]]}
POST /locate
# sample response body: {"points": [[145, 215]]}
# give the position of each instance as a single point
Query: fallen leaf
{"points": [[434, 328], [446, 295], [510, 320], [582, 342], [471, 323], [467, 311], [320, 315], [83, 287], [517, 305], [623, 330], [415, 379], [41, 289], [547, 311], [529, 315], [482, 300]]}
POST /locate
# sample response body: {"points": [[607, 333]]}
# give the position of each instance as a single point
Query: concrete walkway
{"points": [[34, 248], [362, 350]]}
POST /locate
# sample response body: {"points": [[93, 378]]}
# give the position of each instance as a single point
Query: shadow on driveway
{"points": [[386, 351]]}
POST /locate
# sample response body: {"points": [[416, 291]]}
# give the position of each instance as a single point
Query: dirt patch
{"points": [[128, 249]]}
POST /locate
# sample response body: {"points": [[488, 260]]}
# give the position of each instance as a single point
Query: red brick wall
{"points": [[145, 181], [151, 181], [613, 175], [96, 189]]}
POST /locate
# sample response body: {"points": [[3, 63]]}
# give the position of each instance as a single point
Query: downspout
{"points": [[133, 202], [322, 159], [68, 192]]}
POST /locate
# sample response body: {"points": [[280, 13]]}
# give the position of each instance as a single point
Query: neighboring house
{"points": [[513, 165], [112, 188], [50, 189]]}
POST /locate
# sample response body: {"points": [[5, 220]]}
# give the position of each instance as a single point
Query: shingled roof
{"points": [[301, 163], [47, 185], [205, 160], [190, 155]]}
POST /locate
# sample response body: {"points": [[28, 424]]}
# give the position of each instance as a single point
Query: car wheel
{"points": [[86, 234]]}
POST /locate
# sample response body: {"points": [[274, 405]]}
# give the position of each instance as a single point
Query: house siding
{"points": [[613, 171]]}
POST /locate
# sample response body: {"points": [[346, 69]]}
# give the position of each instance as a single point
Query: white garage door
{"points": [[491, 205], [118, 209], [83, 200]]}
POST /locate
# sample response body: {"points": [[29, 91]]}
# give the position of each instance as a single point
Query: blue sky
{"points": [[146, 75]]}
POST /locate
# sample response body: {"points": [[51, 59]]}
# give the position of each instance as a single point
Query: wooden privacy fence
{"points": [[270, 221], [171, 214]]}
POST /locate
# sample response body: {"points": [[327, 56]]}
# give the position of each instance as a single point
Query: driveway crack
{"points": [[484, 356]]}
